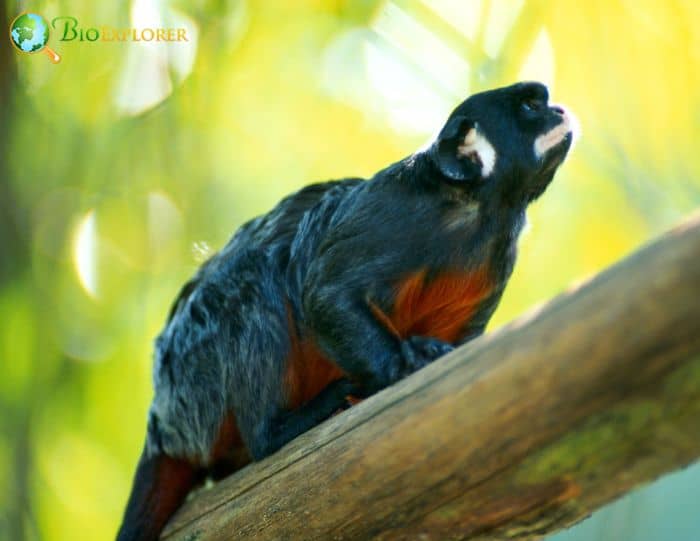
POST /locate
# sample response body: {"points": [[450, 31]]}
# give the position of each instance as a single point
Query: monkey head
{"points": [[506, 142]]}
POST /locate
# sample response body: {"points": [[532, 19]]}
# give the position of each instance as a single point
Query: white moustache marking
{"points": [[479, 150], [553, 137]]}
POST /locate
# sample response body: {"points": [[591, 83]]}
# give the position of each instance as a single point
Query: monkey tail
{"points": [[160, 486]]}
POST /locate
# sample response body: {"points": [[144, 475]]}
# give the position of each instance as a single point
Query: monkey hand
{"points": [[418, 351]]}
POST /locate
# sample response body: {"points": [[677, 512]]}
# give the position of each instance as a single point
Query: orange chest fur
{"points": [[439, 307]]}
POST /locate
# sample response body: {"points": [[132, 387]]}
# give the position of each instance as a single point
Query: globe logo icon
{"points": [[29, 33]]}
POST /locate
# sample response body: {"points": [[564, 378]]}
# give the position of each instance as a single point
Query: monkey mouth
{"points": [[562, 145], [558, 139], [553, 138], [555, 154], [551, 160]]}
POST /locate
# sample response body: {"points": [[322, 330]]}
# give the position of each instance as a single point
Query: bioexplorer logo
{"points": [[29, 33]]}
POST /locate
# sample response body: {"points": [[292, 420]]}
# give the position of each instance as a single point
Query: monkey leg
{"points": [[254, 346], [218, 371], [285, 425]]}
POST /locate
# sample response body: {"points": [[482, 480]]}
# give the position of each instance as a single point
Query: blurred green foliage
{"points": [[127, 163]]}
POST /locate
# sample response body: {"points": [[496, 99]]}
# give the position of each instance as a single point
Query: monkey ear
{"points": [[461, 152]]}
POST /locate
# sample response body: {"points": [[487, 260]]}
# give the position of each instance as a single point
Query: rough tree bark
{"points": [[513, 436]]}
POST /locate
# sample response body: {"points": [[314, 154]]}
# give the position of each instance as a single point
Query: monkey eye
{"points": [[532, 105]]}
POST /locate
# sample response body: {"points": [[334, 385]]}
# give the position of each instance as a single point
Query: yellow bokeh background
{"points": [[127, 163]]}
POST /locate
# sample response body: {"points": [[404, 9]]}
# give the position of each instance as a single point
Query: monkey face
{"points": [[508, 140]]}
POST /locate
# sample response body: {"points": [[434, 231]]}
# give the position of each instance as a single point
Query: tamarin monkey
{"points": [[342, 289]]}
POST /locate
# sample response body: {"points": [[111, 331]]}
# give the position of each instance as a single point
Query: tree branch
{"points": [[513, 436]]}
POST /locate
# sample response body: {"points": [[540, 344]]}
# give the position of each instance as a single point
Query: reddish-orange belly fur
{"points": [[308, 371]]}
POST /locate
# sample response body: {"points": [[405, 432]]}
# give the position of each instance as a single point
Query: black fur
{"points": [[319, 259]]}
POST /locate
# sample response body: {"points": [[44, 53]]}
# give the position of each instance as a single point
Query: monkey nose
{"points": [[557, 109]]}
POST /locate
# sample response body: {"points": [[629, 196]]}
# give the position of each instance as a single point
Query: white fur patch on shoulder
{"points": [[479, 150], [554, 136]]}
